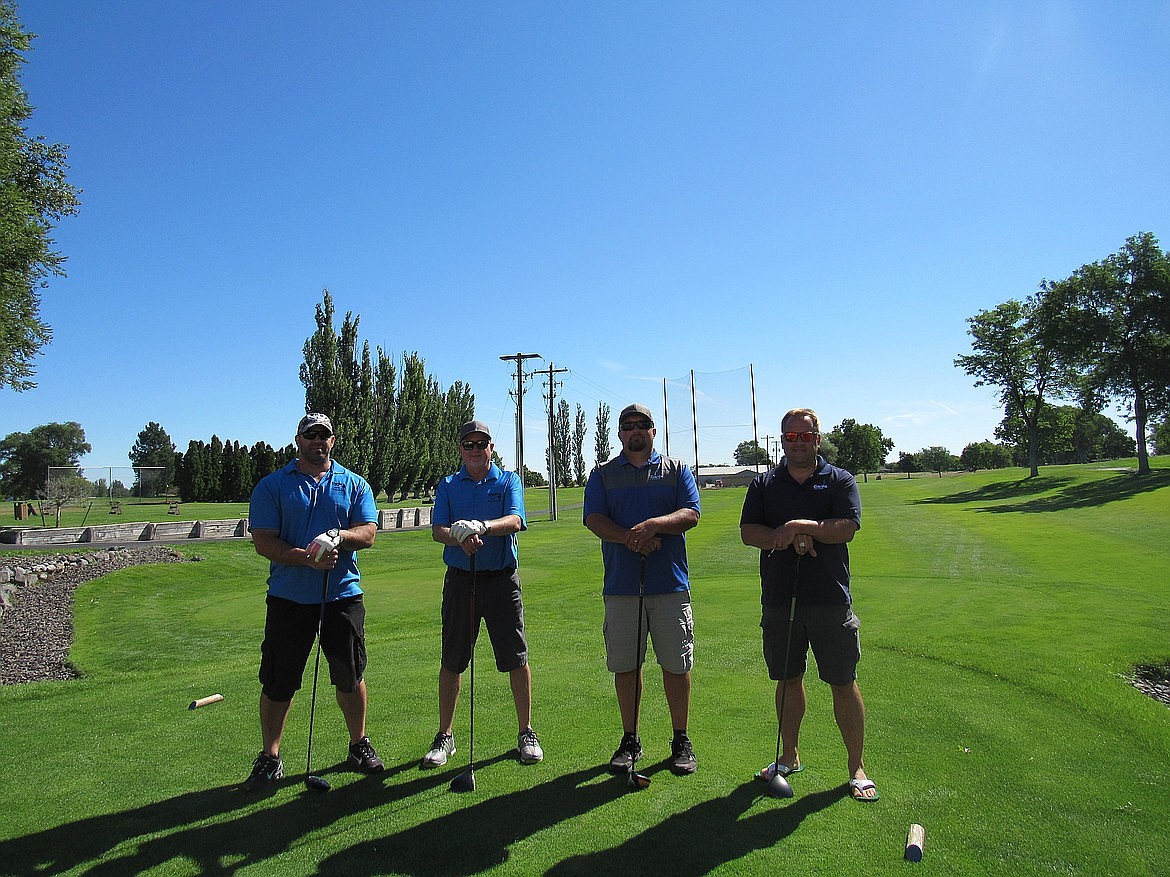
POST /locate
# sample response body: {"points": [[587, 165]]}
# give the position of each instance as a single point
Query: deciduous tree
{"points": [[749, 453], [1110, 321], [861, 447], [34, 195], [937, 459], [25, 458], [1009, 355]]}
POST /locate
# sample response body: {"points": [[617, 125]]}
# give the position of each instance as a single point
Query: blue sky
{"points": [[635, 191]]}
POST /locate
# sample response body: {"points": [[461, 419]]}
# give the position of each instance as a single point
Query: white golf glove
{"points": [[324, 543], [460, 530]]}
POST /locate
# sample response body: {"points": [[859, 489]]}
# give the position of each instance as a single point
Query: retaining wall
{"points": [[128, 532], [388, 519]]}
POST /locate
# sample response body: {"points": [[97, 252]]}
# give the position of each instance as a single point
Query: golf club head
{"points": [[779, 787], [316, 784], [637, 781], [465, 782]]}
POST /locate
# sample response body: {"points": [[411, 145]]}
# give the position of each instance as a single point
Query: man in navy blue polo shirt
{"points": [[309, 519], [478, 512], [640, 504], [801, 515]]}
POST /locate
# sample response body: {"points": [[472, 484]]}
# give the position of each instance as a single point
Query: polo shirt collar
{"points": [[654, 457], [493, 473]]}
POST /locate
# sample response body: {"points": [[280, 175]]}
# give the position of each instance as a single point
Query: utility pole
{"points": [[552, 441], [520, 357]]}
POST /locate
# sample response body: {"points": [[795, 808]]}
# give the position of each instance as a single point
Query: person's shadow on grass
{"points": [[710, 834], [478, 836], [192, 827]]}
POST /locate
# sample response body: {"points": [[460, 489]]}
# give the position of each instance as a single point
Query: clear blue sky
{"points": [[635, 191]]}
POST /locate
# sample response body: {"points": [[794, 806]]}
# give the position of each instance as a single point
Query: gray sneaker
{"points": [[265, 771], [442, 747], [528, 747]]}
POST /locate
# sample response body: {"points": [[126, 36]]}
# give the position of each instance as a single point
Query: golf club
{"points": [[465, 782], [778, 786], [638, 780], [316, 783]]}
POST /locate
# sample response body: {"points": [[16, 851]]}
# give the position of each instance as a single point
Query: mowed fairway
{"points": [[1000, 615]]}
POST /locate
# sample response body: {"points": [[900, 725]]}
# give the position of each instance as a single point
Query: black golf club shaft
{"points": [[471, 669], [633, 780], [316, 668], [465, 782], [784, 674]]}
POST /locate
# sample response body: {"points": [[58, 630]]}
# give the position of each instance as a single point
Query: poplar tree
{"points": [[602, 450], [579, 431]]}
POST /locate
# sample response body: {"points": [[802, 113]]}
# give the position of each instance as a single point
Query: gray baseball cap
{"points": [[474, 426], [635, 409]]}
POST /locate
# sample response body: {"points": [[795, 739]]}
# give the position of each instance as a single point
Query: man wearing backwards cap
{"points": [[640, 504], [478, 512], [317, 503]]}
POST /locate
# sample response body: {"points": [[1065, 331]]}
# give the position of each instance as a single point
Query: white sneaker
{"points": [[528, 747], [441, 748]]}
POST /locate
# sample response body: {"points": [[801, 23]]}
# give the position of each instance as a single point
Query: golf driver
{"points": [[316, 783], [638, 780], [465, 782], [778, 786]]}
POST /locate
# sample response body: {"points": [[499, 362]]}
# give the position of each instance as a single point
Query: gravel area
{"points": [[36, 618], [36, 606]]}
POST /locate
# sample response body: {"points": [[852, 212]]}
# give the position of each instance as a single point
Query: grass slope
{"points": [[999, 616]]}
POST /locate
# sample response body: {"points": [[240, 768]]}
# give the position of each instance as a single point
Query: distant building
{"points": [[727, 476]]}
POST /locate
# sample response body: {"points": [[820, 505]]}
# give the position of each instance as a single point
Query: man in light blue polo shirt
{"points": [[309, 519], [478, 512], [640, 504]]}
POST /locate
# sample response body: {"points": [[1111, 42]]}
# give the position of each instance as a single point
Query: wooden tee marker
{"points": [[915, 841], [204, 701]]}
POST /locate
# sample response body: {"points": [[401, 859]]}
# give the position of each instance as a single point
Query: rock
{"points": [[36, 623]]}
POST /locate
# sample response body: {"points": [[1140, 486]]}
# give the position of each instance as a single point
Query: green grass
{"points": [[999, 617]]}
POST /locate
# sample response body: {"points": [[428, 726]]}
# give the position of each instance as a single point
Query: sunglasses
{"points": [[636, 424], [316, 434], [480, 445], [802, 436]]}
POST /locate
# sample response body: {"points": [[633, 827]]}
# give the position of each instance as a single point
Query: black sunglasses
{"points": [[316, 434], [480, 445], [631, 425]]}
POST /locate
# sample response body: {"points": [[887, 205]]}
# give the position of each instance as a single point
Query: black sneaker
{"points": [[628, 752], [682, 755], [363, 758], [265, 771]]}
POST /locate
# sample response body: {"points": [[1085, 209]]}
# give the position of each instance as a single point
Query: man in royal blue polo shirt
{"points": [[310, 518], [802, 515], [478, 512], [640, 504]]}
